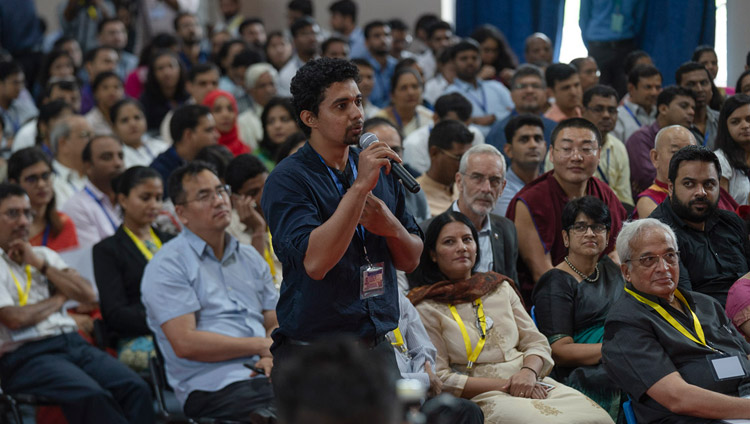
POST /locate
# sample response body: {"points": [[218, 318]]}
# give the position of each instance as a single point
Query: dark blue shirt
{"points": [[299, 196], [165, 163]]}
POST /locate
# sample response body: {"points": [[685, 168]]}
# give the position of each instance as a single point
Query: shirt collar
{"points": [[202, 248], [63, 172]]}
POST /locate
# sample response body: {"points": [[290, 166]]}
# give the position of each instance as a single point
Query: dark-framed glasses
{"points": [[671, 258]]}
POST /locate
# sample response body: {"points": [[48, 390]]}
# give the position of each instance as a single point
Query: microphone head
{"points": [[366, 139]]}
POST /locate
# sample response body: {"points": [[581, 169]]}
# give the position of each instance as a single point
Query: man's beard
{"points": [[686, 212]]}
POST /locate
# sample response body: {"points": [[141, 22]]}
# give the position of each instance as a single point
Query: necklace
{"points": [[584, 276]]}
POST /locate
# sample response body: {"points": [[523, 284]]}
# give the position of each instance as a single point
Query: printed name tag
{"points": [[726, 367], [371, 280]]}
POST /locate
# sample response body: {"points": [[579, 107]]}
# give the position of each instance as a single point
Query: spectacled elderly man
{"points": [[675, 353]]}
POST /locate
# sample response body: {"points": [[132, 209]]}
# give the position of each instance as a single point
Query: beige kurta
{"points": [[512, 336]]}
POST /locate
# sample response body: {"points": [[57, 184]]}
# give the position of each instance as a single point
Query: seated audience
{"points": [[278, 124], [537, 208], [588, 71], [538, 50], [111, 32], [572, 301], [448, 106], [639, 108], [43, 354], [564, 84], [290, 146], [732, 147], [68, 138], [695, 77], [234, 81], [505, 373], [714, 247], [671, 375], [16, 102], [97, 60], [37, 132], [439, 37], [305, 34], [262, 84], [490, 100], [344, 24], [498, 60], [119, 261], [211, 303], [223, 107], [135, 81], [94, 209], [406, 110], [444, 76], [193, 128], [738, 305], [526, 148], [253, 31], [31, 169], [278, 50], [129, 125], [449, 140], [57, 65], [107, 90], [743, 83], [366, 84], [529, 94], [675, 106], [202, 79], [335, 48], [706, 56], [164, 89]]}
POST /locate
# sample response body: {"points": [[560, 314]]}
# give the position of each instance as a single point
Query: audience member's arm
{"points": [[675, 394], [567, 353], [204, 346], [529, 246], [270, 321], [17, 317], [645, 206]]}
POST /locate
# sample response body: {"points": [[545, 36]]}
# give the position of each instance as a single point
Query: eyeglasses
{"points": [[453, 156], [35, 178], [14, 214], [479, 179], [671, 258], [208, 195], [533, 86], [567, 152], [601, 109], [582, 228]]}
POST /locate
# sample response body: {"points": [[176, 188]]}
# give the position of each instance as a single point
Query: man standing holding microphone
{"points": [[338, 222]]}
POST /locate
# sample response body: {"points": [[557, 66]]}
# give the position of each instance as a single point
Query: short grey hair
{"points": [[478, 150], [527, 70], [671, 128], [61, 130], [634, 230], [257, 70]]}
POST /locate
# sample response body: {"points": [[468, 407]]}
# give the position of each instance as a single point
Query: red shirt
{"points": [[65, 240]]}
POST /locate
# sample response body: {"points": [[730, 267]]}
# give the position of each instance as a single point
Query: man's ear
{"points": [[308, 118], [180, 211]]}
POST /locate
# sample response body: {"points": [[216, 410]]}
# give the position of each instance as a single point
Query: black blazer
{"points": [[118, 268]]}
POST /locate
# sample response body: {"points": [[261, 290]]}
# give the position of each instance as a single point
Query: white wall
{"points": [[738, 38]]}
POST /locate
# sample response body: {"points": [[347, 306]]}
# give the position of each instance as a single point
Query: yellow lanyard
{"points": [[701, 340], [269, 255], [399, 341], [140, 245], [23, 296], [472, 355]]}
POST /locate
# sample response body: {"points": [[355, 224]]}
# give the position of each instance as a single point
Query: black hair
{"points": [[331, 40], [25, 158], [62, 40], [447, 132], [92, 53], [311, 81], [692, 153], [505, 56], [734, 153], [358, 61], [437, 26], [405, 63], [300, 24], [285, 149], [632, 59], [669, 93], [101, 77], [250, 21], [425, 20], [453, 102], [642, 71], [186, 117], [738, 86], [242, 168], [9, 68], [577, 123], [430, 270], [86, 153], [246, 58], [336, 381], [193, 168], [115, 109], [599, 90], [374, 24], [106, 21], [303, 6], [397, 24], [178, 18], [558, 72], [345, 8], [519, 121], [689, 67], [464, 45], [398, 73], [378, 121], [698, 52], [224, 51], [200, 69], [444, 56], [284, 102], [590, 206], [65, 84], [153, 90], [578, 62], [47, 112], [527, 70], [10, 190], [49, 59], [217, 155], [132, 177], [161, 41]]}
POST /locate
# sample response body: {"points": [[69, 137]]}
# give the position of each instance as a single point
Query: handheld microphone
{"points": [[396, 168]]}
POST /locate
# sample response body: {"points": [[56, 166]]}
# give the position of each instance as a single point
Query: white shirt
{"points": [[286, 74], [143, 156], [250, 127], [434, 88], [97, 122], [417, 151], [95, 216], [25, 137], [427, 63], [739, 183], [630, 118], [66, 182], [486, 261]]}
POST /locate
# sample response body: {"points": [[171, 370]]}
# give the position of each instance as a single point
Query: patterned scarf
{"points": [[459, 292]]}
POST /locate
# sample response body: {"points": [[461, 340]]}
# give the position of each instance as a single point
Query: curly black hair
{"points": [[309, 85]]}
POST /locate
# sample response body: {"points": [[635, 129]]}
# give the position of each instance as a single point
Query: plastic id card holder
{"points": [[371, 280], [726, 367]]}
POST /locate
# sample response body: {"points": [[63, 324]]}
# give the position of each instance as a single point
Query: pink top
{"points": [[738, 302]]}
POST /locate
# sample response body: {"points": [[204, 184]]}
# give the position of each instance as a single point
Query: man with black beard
{"points": [[713, 243], [190, 33]]}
